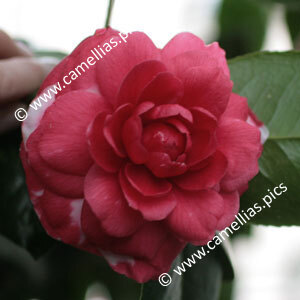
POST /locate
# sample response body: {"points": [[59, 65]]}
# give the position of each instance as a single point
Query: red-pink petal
{"points": [[92, 229], [60, 216], [81, 53], [240, 143], [100, 150], [182, 128], [187, 50], [237, 108], [203, 120], [152, 208], [181, 63], [163, 89], [104, 196], [208, 88], [205, 178], [144, 243], [144, 181], [219, 54], [162, 166], [168, 110], [113, 128], [146, 254], [196, 215], [137, 79], [63, 147], [181, 43], [231, 209], [57, 182], [143, 107], [114, 67], [204, 144], [132, 139]]}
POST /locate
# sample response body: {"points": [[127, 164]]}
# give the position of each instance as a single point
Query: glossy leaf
{"points": [[202, 280], [18, 220], [242, 26], [292, 18], [270, 81]]}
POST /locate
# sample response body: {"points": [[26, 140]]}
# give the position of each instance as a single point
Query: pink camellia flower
{"points": [[148, 150]]}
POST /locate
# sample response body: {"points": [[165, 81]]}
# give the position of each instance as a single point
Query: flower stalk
{"points": [[109, 12]]}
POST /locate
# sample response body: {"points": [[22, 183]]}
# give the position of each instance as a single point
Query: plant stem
{"points": [[142, 290], [109, 11]]}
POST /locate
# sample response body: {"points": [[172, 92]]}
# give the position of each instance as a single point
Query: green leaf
{"points": [[202, 280], [286, 2], [56, 54], [270, 81], [18, 221], [292, 18], [227, 291], [236, 18]]}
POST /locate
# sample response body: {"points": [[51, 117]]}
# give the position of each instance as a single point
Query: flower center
{"points": [[160, 137]]}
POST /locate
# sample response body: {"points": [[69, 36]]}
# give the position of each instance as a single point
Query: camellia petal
{"points": [[152, 208], [240, 143], [113, 128], [100, 150], [104, 196], [144, 182], [203, 84], [137, 79], [132, 138], [196, 214], [231, 209], [205, 178], [58, 139], [112, 70], [150, 252], [165, 88]]}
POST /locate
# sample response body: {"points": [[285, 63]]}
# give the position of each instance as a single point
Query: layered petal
{"points": [[132, 139], [240, 143], [100, 150], [146, 254], [196, 215], [165, 88], [112, 70], [231, 209], [92, 228], [63, 184], [181, 43], [137, 79], [57, 139], [237, 108], [104, 196], [113, 128], [204, 144], [152, 208], [162, 166], [167, 111], [145, 183], [208, 88], [80, 54], [205, 178], [188, 50]]}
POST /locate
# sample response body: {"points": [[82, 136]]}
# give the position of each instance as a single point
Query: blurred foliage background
{"points": [[48, 269]]}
